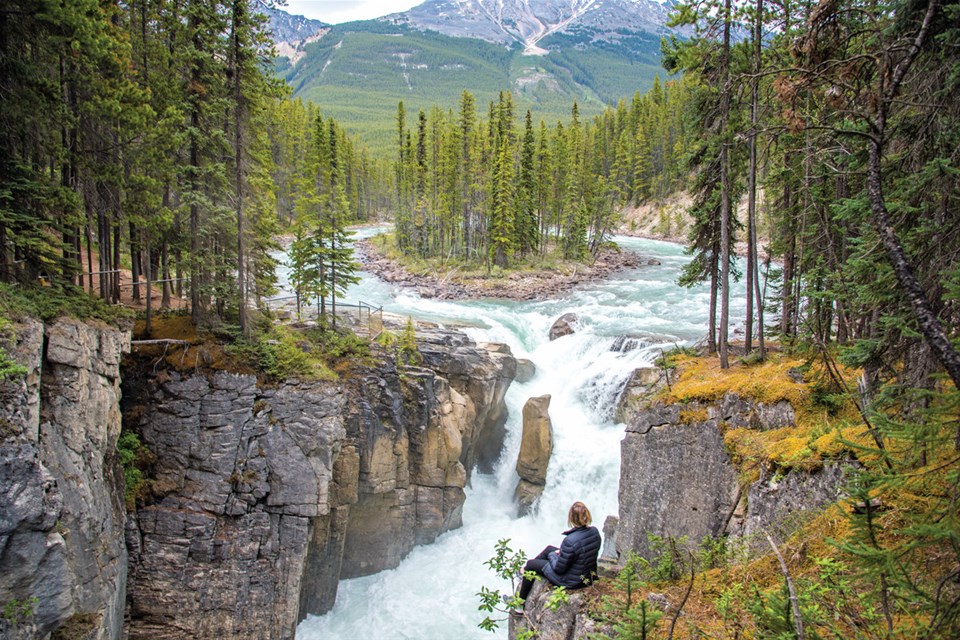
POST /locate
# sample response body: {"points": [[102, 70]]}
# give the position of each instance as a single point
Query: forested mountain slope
{"points": [[545, 54]]}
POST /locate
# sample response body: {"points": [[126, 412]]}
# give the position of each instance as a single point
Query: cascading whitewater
{"points": [[624, 323]]}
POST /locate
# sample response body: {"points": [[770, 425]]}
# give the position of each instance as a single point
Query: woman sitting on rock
{"points": [[574, 564]]}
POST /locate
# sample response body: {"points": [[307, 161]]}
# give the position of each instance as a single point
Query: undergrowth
{"points": [[134, 458], [276, 352], [9, 368]]}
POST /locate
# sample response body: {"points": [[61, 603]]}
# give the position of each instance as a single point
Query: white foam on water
{"points": [[432, 594]]}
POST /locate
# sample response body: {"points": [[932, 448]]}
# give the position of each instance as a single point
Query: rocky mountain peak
{"points": [[529, 21], [292, 32]]}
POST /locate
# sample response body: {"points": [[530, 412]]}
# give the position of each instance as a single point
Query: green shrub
{"points": [[507, 565], [17, 612], [9, 368], [132, 453], [669, 359]]}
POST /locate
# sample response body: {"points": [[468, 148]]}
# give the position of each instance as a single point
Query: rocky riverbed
{"points": [[451, 284]]}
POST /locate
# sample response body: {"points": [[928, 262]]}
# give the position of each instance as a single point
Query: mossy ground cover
{"points": [[49, 302], [749, 599]]}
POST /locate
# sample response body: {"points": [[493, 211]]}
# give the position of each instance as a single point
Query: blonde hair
{"points": [[579, 515]]}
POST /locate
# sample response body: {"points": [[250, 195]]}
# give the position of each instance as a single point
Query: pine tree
{"points": [[527, 226], [503, 187]]}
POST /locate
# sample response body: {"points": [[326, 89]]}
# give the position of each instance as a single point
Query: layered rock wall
{"points": [[241, 473], [264, 497], [678, 480], [61, 504]]}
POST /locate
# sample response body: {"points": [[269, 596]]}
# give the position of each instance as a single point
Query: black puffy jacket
{"points": [[576, 564]]}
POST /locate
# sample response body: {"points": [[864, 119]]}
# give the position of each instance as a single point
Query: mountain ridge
{"points": [[549, 53], [529, 21]]}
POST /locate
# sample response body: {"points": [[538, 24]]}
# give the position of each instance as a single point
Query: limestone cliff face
{"points": [[677, 478], [264, 497], [481, 373], [240, 474], [61, 486]]}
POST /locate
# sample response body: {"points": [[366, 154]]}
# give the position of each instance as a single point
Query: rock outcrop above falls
{"points": [[263, 497], [676, 480], [570, 621], [61, 507]]}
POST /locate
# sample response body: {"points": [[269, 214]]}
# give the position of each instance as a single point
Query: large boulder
{"points": [[678, 479], [745, 412], [570, 621], [536, 446], [525, 370], [563, 326]]}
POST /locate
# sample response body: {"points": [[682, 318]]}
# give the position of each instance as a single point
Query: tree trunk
{"points": [[115, 267], [89, 233], [165, 256], [789, 258], [725, 195], [194, 222], [927, 321], [752, 275], [135, 261], [712, 320], [148, 274], [238, 7]]}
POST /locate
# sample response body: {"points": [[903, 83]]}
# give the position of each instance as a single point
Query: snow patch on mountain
{"points": [[527, 22]]}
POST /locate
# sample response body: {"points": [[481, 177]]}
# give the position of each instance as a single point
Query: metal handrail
{"points": [[374, 313]]}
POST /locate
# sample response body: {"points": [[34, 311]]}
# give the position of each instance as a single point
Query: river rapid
{"points": [[432, 594]]}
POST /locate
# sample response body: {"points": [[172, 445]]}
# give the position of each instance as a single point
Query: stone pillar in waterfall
{"points": [[536, 446]]}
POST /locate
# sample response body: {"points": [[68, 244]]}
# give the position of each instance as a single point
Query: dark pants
{"points": [[536, 565]]}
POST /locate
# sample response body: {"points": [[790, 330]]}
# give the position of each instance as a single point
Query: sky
{"points": [[337, 11]]}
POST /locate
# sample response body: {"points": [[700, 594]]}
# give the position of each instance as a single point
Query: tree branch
{"points": [[794, 603]]}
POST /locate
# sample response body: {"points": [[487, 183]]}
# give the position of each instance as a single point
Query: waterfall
{"points": [[623, 323]]}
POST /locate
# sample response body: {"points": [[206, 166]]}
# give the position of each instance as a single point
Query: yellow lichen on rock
{"points": [[702, 379], [822, 430], [693, 414]]}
